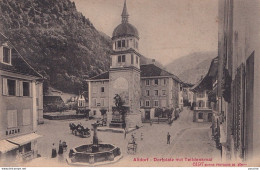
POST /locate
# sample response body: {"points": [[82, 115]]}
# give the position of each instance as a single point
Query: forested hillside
{"points": [[61, 43]]}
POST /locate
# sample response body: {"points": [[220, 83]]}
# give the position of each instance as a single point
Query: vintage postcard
{"points": [[129, 83]]}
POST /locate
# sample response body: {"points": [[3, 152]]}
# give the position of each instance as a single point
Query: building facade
{"points": [[21, 107], [203, 95], [142, 87], [238, 83], [160, 89]]}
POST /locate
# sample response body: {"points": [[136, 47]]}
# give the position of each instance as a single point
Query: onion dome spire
{"points": [[125, 14]]}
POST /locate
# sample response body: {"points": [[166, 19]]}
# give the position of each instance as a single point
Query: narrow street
{"points": [[188, 140]]}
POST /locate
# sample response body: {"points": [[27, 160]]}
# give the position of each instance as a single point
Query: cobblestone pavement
{"points": [[188, 140]]}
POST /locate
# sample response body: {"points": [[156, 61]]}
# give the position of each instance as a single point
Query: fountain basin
{"points": [[84, 155]]}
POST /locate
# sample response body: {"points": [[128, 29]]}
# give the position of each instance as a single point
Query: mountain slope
{"points": [[57, 40], [190, 68]]}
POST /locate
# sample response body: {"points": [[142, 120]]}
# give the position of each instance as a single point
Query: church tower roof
{"points": [[125, 29]]}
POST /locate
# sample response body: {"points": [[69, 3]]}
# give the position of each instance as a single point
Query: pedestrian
{"points": [[168, 138], [125, 133], [151, 122], [60, 148], [54, 151], [142, 136]]}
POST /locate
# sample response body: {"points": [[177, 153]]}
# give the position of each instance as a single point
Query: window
{"points": [[156, 82], [94, 90], [156, 92], [164, 81], [137, 45], [7, 55], [119, 59], [11, 85], [164, 92], [26, 117], [156, 103], [12, 118], [123, 58], [147, 82], [119, 44], [136, 59], [132, 59], [147, 103], [147, 93], [102, 102], [200, 115], [123, 43], [26, 89], [94, 102], [127, 43], [102, 89]]}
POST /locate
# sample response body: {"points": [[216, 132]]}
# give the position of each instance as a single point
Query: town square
{"points": [[123, 83]]}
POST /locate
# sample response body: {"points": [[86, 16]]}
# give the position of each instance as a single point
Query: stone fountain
{"points": [[95, 153]]}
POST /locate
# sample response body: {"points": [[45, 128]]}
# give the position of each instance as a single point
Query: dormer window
{"points": [[119, 44], [123, 43], [6, 55]]}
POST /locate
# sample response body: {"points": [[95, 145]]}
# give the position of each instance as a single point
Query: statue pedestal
{"points": [[117, 118]]}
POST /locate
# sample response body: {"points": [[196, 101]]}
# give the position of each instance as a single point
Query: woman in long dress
{"points": [[54, 151], [60, 148]]}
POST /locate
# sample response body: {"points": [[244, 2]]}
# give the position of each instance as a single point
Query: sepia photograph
{"points": [[129, 83]]}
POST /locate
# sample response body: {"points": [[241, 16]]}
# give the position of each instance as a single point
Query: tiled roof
{"points": [[19, 65], [206, 82], [151, 70]]}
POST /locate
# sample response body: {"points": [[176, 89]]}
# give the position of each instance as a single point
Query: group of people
{"points": [[62, 146]]}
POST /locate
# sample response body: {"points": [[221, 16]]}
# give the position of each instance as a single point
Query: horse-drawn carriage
{"points": [[79, 130], [101, 122]]}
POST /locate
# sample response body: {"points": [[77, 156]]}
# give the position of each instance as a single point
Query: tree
{"points": [[158, 113]]}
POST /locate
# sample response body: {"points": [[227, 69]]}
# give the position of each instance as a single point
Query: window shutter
{"points": [[17, 87], [5, 88], [21, 88], [12, 118], [30, 89]]}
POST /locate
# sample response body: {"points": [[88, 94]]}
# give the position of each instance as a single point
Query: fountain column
{"points": [[95, 139]]}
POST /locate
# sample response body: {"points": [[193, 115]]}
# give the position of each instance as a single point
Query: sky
{"points": [[168, 29]]}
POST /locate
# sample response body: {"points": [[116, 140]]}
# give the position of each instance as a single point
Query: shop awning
{"points": [[24, 139], [6, 146]]}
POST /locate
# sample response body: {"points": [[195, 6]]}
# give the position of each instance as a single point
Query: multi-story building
{"points": [[160, 89], [202, 92], [20, 104], [238, 83], [145, 86]]}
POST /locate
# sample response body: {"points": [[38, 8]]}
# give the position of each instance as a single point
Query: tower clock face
{"points": [[121, 83]]}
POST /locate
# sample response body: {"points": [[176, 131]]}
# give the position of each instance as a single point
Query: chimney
{"points": [[153, 61]]}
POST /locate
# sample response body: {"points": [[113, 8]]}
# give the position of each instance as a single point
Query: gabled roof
{"points": [[101, 76], [52, 98], [19, 64], [206, 82], [149, 70]]}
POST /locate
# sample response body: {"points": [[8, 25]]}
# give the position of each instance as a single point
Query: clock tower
{"points": [[124, 74]]}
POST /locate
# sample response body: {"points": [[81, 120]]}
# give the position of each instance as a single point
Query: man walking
{"points": [[168, 138]]}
